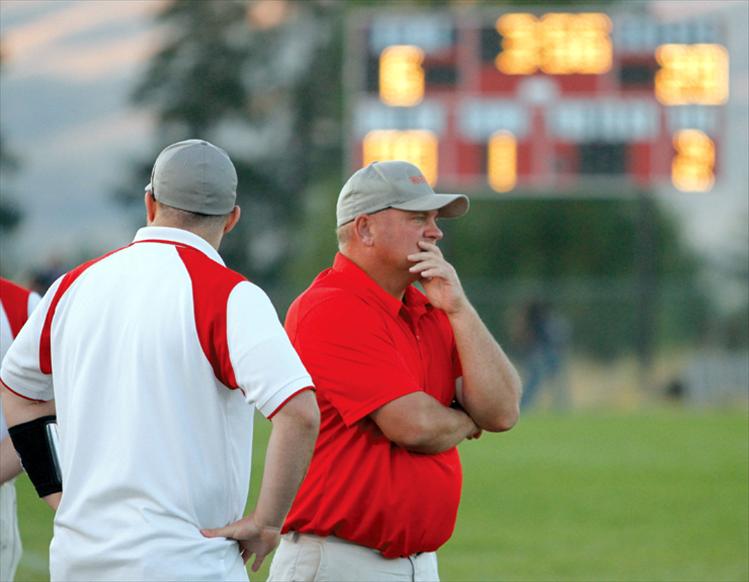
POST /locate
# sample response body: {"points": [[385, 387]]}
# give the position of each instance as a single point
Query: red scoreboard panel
{"points": [[523, 101]]}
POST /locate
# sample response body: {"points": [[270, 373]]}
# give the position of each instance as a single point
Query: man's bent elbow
{"points": [[502, 422], [506, 417], [406, 436], [411, 441], [412, 435]]}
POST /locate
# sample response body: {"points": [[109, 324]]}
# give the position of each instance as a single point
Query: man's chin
{"points": [[413, 277]]}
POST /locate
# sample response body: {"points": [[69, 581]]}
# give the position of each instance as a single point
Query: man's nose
{"points": [[433, 231]]}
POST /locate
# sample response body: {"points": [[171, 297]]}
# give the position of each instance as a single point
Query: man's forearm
{"points": [[491, 391], [287, 457], [422, 424], [491, 385], [447, 429]]}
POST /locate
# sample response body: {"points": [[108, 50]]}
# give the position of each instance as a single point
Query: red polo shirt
{"points": [[364, 348]]}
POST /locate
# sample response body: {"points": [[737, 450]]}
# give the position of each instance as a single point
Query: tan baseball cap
{"points": [[394, 184], [196, 176]]}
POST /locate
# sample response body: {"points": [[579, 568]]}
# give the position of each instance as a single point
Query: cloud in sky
{"points": [[36, 35], [113, 131], [77, 64], [68, 43]]}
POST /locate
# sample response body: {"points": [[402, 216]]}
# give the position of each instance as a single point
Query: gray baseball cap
{"points": [[394, 184], [196, 176]]}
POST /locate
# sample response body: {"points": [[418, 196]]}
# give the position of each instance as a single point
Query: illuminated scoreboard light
{"points": [[692, 74], [556, 44], [401, 75], [415, 146], [693, 166], [502, 165], [503, 102]]}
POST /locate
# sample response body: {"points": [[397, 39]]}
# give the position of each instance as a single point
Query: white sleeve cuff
{"points": [[271, 405]]}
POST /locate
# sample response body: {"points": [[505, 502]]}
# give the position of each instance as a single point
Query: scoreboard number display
{"points": [[521, 102], [555, 44]]}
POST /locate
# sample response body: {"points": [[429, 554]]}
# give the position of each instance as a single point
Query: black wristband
{"points": [[35, 444]]}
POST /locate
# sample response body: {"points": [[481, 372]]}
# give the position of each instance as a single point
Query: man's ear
{"points": [[150, 208], [363, 229], [232, 219]]}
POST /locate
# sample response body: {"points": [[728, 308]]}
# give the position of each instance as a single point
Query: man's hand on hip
{"points": [[252, 538]]}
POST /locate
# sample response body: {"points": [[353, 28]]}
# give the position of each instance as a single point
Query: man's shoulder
{"points": [[327, 295], [207, 271], [330, 302]]}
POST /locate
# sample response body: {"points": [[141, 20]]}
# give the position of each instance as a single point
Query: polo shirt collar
{"points": [[179, 236], [414, 301]]}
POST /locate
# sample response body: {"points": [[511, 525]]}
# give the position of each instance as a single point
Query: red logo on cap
{"points": [[417, 179]]}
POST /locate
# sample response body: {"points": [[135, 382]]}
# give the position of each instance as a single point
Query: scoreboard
{"points": [[518, 101]]}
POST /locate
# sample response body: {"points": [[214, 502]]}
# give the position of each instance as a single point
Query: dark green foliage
{"points": [[10, 215], [218, 74], [560, 238], [590, 260], [194, 80]]}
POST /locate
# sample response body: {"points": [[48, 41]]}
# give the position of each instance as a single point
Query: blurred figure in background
{"points": [[42, 278], [541, 337], [16, 304], [402, 377]]}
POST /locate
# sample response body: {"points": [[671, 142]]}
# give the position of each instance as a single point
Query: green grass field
{"points": [[596, 496]]}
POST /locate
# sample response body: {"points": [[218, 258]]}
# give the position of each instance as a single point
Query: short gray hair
{"points": [[186, 219], [344, 234]]}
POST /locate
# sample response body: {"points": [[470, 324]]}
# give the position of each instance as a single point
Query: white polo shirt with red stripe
{"points": [[152, 353]]}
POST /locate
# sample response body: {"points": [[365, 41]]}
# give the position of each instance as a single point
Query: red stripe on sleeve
{"points": [[9, 389], [45, 355], [212, 284]]}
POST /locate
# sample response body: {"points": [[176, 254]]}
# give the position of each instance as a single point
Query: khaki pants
{"points": [[10, 538], [303, 558]]}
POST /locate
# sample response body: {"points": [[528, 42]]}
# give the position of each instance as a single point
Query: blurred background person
{"points": [[16, 304], [541, 337], [41, 278]]}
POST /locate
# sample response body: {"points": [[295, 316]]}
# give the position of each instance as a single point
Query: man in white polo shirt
{"points": [[151, 354]]}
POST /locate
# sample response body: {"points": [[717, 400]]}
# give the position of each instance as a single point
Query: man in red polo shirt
{"points": [[402, 378]]}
